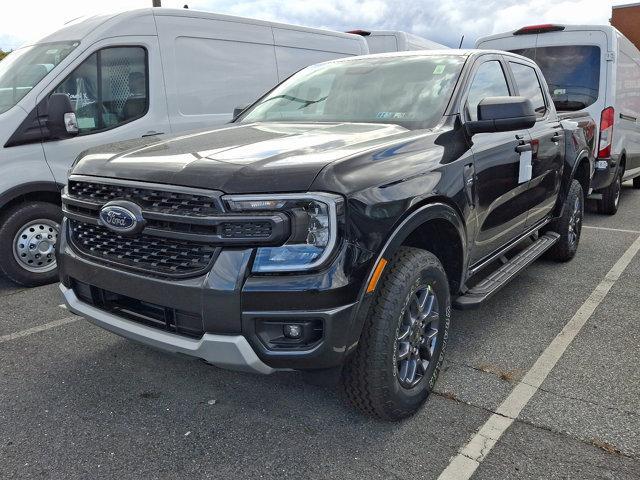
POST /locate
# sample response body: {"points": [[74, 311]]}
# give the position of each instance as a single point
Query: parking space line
{"points": [[593, 227], [468, 459], [39, 328]]}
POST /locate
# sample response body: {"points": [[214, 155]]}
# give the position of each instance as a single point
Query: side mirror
{"points": [[62, 122], [502, 114], [237, 111]]}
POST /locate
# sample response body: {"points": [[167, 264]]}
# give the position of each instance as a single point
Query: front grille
{"points": [[144, 252], [161, 317], [181, 229], [152, 200]]}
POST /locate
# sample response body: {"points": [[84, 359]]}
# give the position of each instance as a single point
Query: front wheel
{"points": [[28, 237], [636, 183], [569, 225], [401, 350]]}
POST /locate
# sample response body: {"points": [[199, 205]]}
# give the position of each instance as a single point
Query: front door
{"points": [[117, 93], [501, 204]]}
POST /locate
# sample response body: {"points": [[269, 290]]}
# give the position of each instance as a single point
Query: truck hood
{"points": [[254, 158]]}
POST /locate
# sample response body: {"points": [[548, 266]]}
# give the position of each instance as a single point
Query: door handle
{"points": [[525, 147], [556, 137], [151, 133]]}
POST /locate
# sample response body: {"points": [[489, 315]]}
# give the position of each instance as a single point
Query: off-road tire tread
{"points": [[363, 374]]}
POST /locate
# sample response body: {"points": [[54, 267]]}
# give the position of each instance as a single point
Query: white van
{"points": [[129, 75], [593, 68], [382, 41]]}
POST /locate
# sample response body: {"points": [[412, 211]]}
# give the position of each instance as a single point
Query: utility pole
{"points": [[157, 3]]}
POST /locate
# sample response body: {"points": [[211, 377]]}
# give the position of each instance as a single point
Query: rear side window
{"points": [[109, 88], [571, 71], [529, 87], [489, 81]]}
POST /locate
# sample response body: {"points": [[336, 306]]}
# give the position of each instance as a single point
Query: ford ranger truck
{"points": [[332, 226]]}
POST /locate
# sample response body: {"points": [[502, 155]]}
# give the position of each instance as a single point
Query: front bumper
{"points": [[228, 304], [225, 351]]}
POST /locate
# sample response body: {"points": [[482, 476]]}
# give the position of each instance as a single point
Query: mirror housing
{"points": [[237, 111], [502, 114], [61, 122]]}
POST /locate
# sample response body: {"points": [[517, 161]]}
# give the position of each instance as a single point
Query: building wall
{"points": [[626, 18]]}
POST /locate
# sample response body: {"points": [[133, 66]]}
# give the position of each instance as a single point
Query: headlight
{"points": [[314, 225]]}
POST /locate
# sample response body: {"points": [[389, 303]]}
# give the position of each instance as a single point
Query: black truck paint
{"points": [[441, 189]]}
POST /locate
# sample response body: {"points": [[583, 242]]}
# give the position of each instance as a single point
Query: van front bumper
{"points": [[226, 351]]}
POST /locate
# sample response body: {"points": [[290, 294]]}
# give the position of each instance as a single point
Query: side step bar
{"points": [[498, 279]]}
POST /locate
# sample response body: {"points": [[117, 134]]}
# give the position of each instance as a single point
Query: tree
{"points": [[3, 54]]}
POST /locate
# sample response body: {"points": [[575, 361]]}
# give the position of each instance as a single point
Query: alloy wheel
{"points": [[416, 338]]}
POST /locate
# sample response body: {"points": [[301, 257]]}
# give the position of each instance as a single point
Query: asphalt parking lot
{"points": [[78, 402]]}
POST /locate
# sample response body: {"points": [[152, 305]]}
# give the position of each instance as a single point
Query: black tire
{"points": [[373, 375], [569, 225], [636, 182], [15, 220], [611, 196]]}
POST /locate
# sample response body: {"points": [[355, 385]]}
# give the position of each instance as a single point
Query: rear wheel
{"points": [[611, 196], [569, 225], [28, 237], [636, 182], [402, 346]]}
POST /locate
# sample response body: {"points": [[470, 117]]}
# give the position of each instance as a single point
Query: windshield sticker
{"points": [[560, 91], [391, 115], [439, 70]]}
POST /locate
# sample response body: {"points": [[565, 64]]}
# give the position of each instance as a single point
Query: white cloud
{"points": [[440, 20]]}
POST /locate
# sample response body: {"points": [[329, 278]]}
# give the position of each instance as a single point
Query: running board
{"points": [[498, 279]]}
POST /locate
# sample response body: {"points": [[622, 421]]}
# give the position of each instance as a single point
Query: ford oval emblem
{"points": [[122, 217]]}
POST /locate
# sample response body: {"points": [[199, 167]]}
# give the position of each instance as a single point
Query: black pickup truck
{"points": [[333, 225]]}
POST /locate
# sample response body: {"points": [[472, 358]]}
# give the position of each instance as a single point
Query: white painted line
{"points": [[637, 232], [63, 306], [468, 459], [39, 328]]}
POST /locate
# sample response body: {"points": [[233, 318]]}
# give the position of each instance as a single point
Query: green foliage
{"points": [[3, 54]]}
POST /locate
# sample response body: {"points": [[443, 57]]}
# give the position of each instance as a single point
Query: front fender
{"points": [[432, 211]]}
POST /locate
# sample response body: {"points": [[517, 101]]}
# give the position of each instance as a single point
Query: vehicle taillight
{"points": [[606, 133], [544, 28]]}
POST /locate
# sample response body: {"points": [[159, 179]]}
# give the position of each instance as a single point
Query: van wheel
{"points": [[28, 237], [636, 182], [398, 358], [611, 196], [569, 225]]}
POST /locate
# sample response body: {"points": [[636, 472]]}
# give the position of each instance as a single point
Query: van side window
{"points": [[529, 87], [489, 81], [109, 88]]}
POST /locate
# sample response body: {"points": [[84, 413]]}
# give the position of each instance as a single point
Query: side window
{"points": [[529, 86], [109, 88], [489, 81]]}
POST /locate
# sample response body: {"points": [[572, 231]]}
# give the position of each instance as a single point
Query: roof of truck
{"points": [[566, 28]]}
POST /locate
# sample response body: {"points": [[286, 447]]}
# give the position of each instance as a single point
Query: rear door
{"points": [[501, 201], [547, 142]]}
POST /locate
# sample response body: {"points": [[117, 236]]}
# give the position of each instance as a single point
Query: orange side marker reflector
{"points": [[377, 273]]}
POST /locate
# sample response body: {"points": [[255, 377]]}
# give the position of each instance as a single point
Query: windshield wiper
{"points": [[305, 103]]}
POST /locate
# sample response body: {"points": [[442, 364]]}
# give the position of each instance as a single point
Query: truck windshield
{"points": [[572, 72], [411, 91], [23, 69]]}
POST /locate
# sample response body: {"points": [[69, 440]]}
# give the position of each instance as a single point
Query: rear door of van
{"points": [[213, 66]]}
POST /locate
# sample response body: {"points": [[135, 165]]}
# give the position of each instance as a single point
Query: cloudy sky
{"points": [[444, 21]]}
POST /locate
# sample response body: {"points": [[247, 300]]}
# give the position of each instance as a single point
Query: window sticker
{"points": [[86, 122], [396, 115], [439, 70]]}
